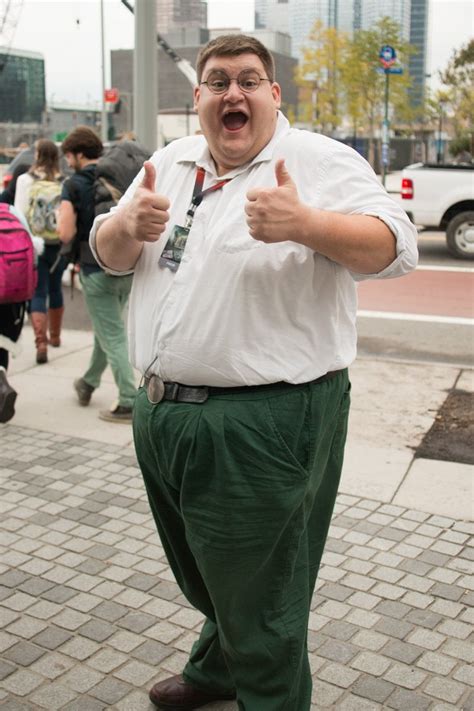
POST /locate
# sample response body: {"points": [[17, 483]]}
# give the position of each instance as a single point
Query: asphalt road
{"points": [[387, 337]]}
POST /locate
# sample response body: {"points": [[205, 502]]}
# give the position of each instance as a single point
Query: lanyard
{"points": [[199, 194]]}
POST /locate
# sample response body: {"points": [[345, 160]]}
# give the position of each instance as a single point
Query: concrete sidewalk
{"points": [[90, 614]]}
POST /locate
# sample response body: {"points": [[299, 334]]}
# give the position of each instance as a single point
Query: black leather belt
{"points": [[158, 389]]}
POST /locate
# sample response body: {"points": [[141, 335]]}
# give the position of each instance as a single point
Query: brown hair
{"points": [[47, 158], [233, 45], [83, 140]]}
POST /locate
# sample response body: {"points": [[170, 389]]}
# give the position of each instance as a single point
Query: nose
{"points": [[234, 92]]}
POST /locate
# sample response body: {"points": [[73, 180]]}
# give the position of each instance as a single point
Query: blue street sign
{"points": [[390, 70], [387, 54]]}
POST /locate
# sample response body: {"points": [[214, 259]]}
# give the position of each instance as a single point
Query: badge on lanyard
{"points": [[174, 247]]}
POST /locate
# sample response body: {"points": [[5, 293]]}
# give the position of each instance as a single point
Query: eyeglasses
{"points": [[248, 81]]}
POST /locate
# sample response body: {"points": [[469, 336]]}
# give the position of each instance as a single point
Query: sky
{"points": [[67, 33]]}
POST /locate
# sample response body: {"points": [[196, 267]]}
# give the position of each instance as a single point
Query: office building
{"points": [[22, 86], [174, 14], [418, 38]]}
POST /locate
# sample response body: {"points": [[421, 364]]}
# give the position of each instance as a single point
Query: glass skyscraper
{"points": [[22, 86]]}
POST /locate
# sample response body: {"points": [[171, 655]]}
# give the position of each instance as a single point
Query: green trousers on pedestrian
{"points": [[106, 297], [242, 489]]}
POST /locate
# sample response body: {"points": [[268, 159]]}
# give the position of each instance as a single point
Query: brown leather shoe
{"points": [[174, 694]]}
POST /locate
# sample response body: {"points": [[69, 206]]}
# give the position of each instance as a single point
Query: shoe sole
{"points": [[111, 418], [8, 409]]}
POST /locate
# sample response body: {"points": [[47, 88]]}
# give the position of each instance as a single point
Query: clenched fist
{"points": [[146, 214], [275, 214]]}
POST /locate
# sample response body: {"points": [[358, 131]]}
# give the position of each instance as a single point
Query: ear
{"points": [[196, 96], [276, 93]]}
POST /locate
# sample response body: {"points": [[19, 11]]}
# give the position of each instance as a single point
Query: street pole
{"points": [[103, 122], [439, 156], [145, 75], [385, 131]]}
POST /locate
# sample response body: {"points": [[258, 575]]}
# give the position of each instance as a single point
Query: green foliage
{"points": [[342, 73], [458, 82]]}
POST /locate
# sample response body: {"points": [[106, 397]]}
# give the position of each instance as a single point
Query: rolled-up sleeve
{"points": [[350, 186]]}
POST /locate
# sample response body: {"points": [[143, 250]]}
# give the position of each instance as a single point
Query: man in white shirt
{"points": [[246, 243]]}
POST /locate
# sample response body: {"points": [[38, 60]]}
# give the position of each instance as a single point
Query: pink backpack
{"points": [[17, 260]]}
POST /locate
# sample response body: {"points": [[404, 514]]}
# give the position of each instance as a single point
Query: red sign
{"points": [[111, 96]]}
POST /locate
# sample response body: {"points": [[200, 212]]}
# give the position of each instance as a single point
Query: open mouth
{"points": [[234, 120]]}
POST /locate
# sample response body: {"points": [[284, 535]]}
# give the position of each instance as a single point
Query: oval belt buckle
{"points": [[155, 390]]}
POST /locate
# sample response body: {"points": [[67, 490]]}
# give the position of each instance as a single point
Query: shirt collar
{"points": [[200, 155]]}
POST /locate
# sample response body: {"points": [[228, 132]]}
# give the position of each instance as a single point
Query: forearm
{"points": [[361, 243], [115, 246]]}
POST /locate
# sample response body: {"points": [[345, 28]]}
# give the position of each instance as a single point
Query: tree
{"points": [[365, 85], [319, 76], [458, 80]]}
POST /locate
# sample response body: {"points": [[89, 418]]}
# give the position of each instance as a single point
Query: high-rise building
{"points": [[22, 86], [398, 10], [349, 16], [174, 14], [418, 38]]}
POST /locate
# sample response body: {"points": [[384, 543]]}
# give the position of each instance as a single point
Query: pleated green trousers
{"points": [[242, 489]]}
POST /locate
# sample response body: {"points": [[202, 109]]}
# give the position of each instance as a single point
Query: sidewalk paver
{"points": [[90, 614]]}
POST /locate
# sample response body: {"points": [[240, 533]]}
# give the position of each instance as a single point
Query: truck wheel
{"points": [[460, 235]]}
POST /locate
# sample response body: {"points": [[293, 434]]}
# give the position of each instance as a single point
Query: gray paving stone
{"points": [[110, 611], [52, 637], [340, 630], [404, 700], [6, 668], [152, 652], [59, 594], [110, 690], [91, 567], [393, 628], [337, 651], [97, 630], [448, 592], [141, 581], [137, 621], [402, 651], [16, 705], [13, 578], [445, 689], [23, 653], [372, 688], [424, 618], [392, 608]]}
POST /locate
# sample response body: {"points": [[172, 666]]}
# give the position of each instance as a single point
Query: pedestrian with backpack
{"points": [[18, 257], [105, 296], [38, 194]]}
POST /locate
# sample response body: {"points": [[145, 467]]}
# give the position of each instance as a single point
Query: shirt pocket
{"points": [[233, 236]]}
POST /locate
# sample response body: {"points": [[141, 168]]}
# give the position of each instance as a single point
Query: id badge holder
{"points": [[174, 248]]}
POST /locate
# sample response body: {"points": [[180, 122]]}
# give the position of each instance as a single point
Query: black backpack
{"points": [[114, 173]]}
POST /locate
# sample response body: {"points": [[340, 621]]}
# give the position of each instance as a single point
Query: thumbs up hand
{"points": [[274, 214], [146, 214]]}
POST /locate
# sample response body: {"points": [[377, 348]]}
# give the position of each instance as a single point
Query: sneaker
{"points": [[84, 391], [7, 398], [117, 414]]}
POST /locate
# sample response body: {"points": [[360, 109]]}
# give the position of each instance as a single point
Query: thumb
{"points": [[149, 178], [282, 175]]}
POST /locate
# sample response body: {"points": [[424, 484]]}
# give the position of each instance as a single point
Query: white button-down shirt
{"points": [[239, 311]]}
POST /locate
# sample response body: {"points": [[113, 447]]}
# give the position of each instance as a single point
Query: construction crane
{"points": [[10, 11], [184, 66]]}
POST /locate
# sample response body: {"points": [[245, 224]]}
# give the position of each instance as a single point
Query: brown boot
{"points": [[39, 323], [55, 319]]}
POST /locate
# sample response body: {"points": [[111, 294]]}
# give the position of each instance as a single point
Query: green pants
{"points": [[106, 297], [242, 489]]}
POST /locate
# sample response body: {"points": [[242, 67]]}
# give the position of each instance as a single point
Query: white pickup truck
{"points": [[442, 197]]}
